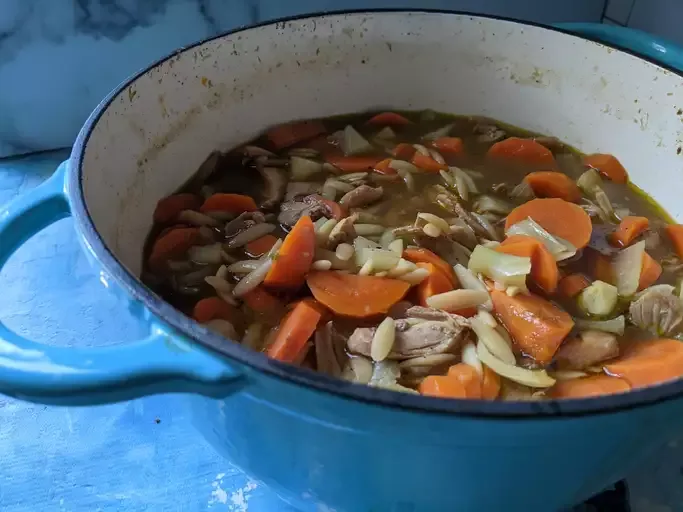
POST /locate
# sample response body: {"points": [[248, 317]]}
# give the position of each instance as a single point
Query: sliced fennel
{"points": [[613, 325], [531, 378], [353, 143], [560, 248], [627, 267], [505, 269]]}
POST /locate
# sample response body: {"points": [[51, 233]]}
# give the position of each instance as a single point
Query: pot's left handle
{"points": [[163, 362]]}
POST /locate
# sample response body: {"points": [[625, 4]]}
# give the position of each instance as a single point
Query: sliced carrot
{"points": [[261, 301], [427, 163], [260, 246], [570, 286], [468, 377], [675, 233], [523, 152], [544, 271], [169, 207], [285, 135], [293, 333], [608, 166], [452, 146], [536, 325], [325, 314], [490, 385], [348, 164], [595, 385], [420, 255], [337, 211], [232, 203], [436, 282], [384, 167], [649, 272], [629, 229], [553, 184], [388, 119], [212, 308], [294, 258], [404, 151], [173, 244], [558, 217], [353, 295], [442, 386], [602, 268], [645, 363]]}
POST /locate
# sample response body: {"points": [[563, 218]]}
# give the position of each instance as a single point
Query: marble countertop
{"points": [[142, 455]]}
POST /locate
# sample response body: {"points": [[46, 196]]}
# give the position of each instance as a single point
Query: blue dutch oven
{"points": [[322, 443]]}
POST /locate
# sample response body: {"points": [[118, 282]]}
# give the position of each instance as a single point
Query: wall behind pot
{"points": [[58, 58]]}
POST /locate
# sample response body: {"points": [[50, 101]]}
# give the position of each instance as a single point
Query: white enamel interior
{"points": [[158, 130]]}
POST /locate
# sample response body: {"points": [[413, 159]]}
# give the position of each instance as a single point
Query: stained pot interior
{"points": [[156, 131]]}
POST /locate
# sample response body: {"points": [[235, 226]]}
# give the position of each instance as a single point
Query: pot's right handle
{"points": [[637, 41], [162, 362]]}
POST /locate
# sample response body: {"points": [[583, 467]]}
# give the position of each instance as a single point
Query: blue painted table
{"points": [[141, 455]]}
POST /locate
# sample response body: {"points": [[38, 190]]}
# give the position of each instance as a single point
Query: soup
{"points": [[444, 255]]}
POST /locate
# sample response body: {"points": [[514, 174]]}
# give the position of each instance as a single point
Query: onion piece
{"points": [[613, 325], [486, 203], [599, 298], [353, 143], [301, 169], [253, 279], [531, 378], [560, 248], [505, 269], [627, 266], [358, 369], [396, 246], [494, 342], [402, 165], [385, 133], [361, 242], [444, 131], [588, 182], [469, 357]]}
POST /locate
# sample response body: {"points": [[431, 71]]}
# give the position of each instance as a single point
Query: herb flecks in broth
{"points": [[444, 255]]}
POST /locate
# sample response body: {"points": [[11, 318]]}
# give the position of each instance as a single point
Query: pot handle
{"points": [[636, 41], [163, 362]]}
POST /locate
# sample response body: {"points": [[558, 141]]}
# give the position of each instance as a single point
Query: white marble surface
{"points": [[59, 58]]}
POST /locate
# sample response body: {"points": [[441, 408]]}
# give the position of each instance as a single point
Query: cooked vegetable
{"points": [[558, 217], [353, 143], [614, 325], [260, 246], [294, 332], [553, 184], [559, 248], [522, 152], [628, 230], [650, 272], [537, 326], [503, 268], [531, 378], [356, 296], [285, 135], [675, 233], [469, 281], [421, 255], [436, 284], [462, 381], [169, 207], [589, 182], [595, 385], [494, 342], [260, 301], [427, 163], [456, 301], [646, 363], [353, 164], [627, 268], [570, 286], [302, 169], [599, 298], [172, 244], [294, 258], [608, 166], [388, 119], [452, 146], [231, 203], [544, 271], [212, 308]]}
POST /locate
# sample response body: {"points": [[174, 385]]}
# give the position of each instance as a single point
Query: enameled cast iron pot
{"points": [[321, 443]]}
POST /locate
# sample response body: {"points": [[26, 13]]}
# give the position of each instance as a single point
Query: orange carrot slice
{"points": [[468, 378], [169, 207], [348, 164], [293, 333], [490, 385], [608, 166], [294, 258], [675, 233], [536, 325], [646, 363], [384, 167], [437, 282], [388, 119], [353, 295], [558, 217], [595, 385], [553, 184], [649, 273], [231, 203], [427, 163], [260, 246], [404, 151], [522, 152], [285, 135], [570, 286], [544, 271], [260, 301], [420, 255], [212, 308], [174, 243], [450, 146], [629, 229]]}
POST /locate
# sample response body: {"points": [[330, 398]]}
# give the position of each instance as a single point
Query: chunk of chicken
{"points": [[361, 196], [451, 204], [416, 337], [587, 349], [275, 185], [342, 232], [243, 221], [658, 310], [329, 353], [292, 211]]}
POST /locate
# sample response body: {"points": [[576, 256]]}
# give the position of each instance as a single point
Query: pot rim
{"points": [[546, 409]]}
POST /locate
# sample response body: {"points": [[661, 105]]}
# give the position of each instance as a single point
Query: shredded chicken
{"points": [[587, 349], [488, 133], [450, 203], [292, 211], [361, 196], [658, 310], [243, 221], [275, 185]]}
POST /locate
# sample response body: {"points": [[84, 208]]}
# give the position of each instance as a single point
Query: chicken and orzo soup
{"points": [[450, 256]]}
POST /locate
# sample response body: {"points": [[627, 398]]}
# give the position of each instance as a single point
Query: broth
{"points": [[381, 248]]}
